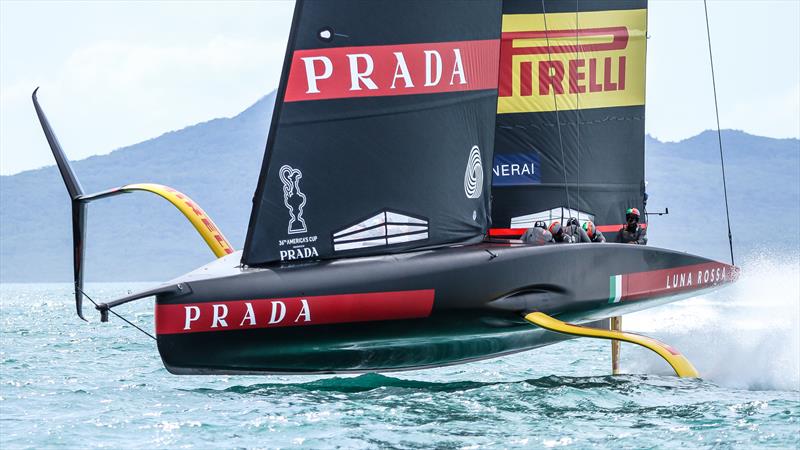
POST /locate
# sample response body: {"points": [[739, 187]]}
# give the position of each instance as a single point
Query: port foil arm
{"points": [[683, 368], [206, 227]]}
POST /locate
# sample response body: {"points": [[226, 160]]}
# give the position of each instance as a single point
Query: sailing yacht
{"points": [[411, 143]]}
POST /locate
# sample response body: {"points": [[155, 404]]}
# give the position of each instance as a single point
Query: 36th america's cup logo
{"points": [[293, 198], [473, 177]]}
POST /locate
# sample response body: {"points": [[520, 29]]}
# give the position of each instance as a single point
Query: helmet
{"points": [[632, 212], [540, 224], [555, 228], [588, 227], [573, 221]]}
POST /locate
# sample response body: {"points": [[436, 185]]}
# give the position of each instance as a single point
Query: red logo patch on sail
{"points": [[388, 70], [552, 72]]}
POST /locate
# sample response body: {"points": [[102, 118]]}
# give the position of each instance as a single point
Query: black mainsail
{"points": [[382, 133], [570, 123]]}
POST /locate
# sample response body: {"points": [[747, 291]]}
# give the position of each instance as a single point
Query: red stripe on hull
{"points": [[516, 232], [658, 283], [294, 311]]}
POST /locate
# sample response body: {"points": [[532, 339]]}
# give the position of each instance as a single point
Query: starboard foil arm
{"points": [[683, 368], [197, 217]]}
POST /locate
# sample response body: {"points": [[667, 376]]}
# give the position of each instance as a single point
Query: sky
{"points": [[116, 73]]}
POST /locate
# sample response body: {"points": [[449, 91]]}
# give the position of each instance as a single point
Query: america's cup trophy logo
{"points": [[293, 198]]}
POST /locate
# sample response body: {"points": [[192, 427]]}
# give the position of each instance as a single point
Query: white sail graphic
{"points": [[384, 228]]}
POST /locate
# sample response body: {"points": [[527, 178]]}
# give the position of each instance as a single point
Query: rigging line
{"points": [[719, 133], [555, 104], [114, 313], [578, 110]]}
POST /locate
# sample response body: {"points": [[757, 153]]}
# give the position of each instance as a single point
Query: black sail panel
{"points": [[382, 136], [570, 112]]}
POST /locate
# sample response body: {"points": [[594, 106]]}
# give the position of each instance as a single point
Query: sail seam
{"points": [[578, 105]]}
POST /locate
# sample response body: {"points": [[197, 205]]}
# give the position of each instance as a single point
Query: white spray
{"points": [[744, 336]]}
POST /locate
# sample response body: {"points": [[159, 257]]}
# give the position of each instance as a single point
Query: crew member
{"points": [[574, 229], [632, 232], [559, 236], [538, 235], [594, 234]]}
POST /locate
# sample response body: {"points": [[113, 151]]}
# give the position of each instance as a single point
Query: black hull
{"points": [[410, 311]]}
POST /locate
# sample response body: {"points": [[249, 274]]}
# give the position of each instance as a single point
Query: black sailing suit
{"points": [[577, 234], [598, 236], [638, 236]]}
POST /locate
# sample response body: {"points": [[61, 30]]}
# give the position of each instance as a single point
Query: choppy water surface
{"points": [[70, 384]]}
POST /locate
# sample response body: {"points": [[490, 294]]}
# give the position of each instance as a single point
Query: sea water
{"points": [[66, 383]]}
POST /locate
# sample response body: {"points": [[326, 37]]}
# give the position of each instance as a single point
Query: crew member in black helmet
{"points": [[560, 234], [632, 232], [538, 235], [574, 229]]}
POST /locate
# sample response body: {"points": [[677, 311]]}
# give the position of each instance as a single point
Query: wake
{"points": [[745, 336]]}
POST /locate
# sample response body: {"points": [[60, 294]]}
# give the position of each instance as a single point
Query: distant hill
{"points": [[141, 237], [137, 236], [763, 178]]}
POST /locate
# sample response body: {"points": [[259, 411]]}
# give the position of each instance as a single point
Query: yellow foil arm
{"points": [[683, 368], [199, 219]]}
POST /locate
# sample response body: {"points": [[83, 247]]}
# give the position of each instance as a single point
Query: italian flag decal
{"points": [[615, 288], [664, 282]]}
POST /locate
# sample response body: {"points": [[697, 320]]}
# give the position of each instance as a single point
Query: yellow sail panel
{"points": [[585, 60]]}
